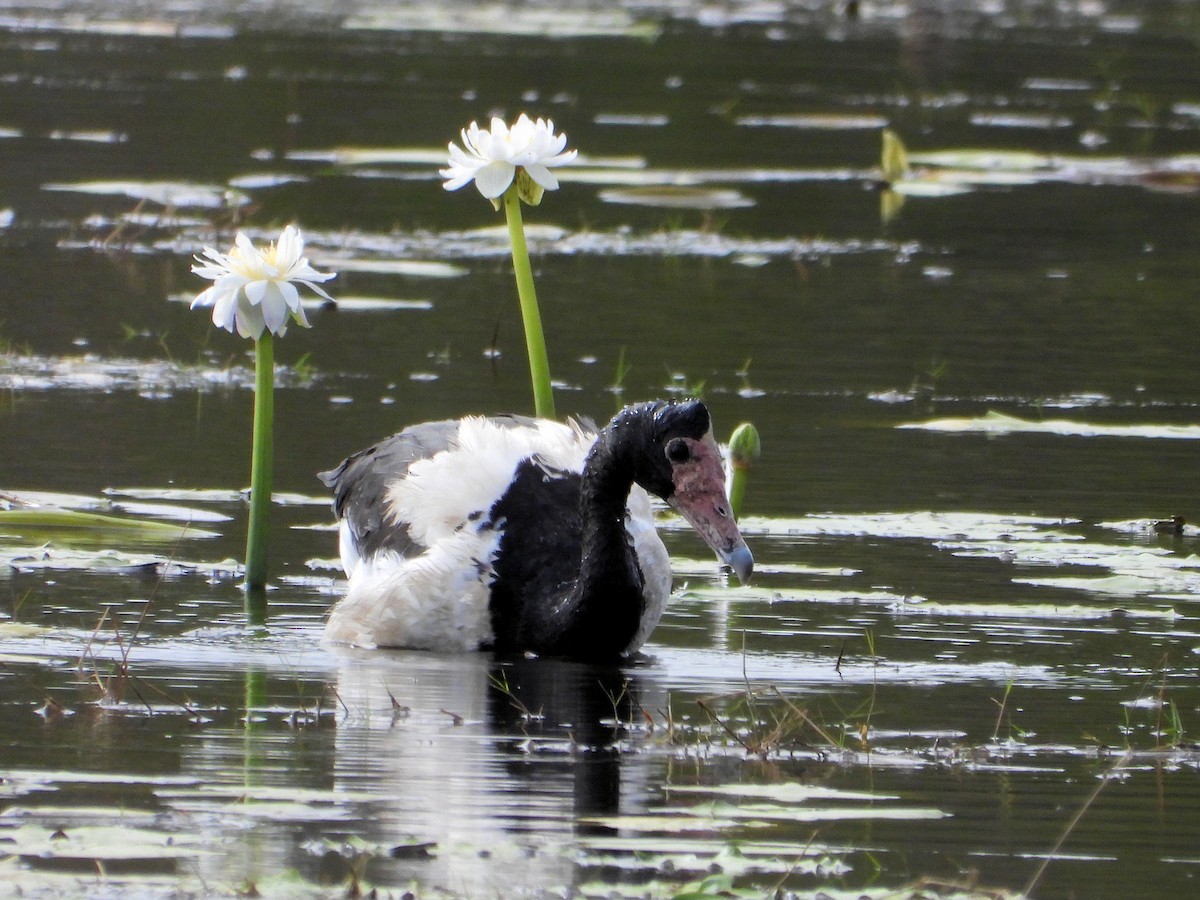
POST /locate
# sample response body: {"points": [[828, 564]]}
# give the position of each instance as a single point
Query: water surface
{"points": [[967, 663]]}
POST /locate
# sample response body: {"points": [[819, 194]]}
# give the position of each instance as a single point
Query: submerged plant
{"points": [[508, 166], [254, 292]]}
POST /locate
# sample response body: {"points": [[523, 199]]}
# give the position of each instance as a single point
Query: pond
{"points": [[967, 663]]}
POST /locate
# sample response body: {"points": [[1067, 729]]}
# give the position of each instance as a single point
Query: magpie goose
{"points": [[524, 535]]}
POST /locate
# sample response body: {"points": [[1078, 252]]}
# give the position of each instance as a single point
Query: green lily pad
{"points": [[176, 194], [983, 160], [21, 521], [417, 268], [501, 18], [1001, 423], [103, 842], [366, 304], [373, 156], [782, 792], [815, 121], [678, 197]]}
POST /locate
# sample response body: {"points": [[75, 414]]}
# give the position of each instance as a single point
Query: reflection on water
{"points": [[974, 604]]}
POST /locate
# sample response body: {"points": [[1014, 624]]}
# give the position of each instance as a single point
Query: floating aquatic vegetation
{"points": [[265, 180], [27, 520], [89, 137], [416, 268], [1172, 585], [941, 173], [1047, 611], [501, 18], [997, 423], [753, 811], [635, 120], [815, 121], [780, 792], [173, 194], [929, 524], [372, 156], [686, 566], [52, 501], [658, 855], [367, 304], [213, 495], [678, 197], [108, 561], [102, 842], [1040, 121], [171, 511], [153, 379]]}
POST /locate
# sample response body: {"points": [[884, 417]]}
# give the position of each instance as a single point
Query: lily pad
{"points": [[678, 197], [918, 187], [501, 18], [177, 194], [41, 519], [418, 268], [1001, 423], [373, 156], [782, 792], [983, 160], [100, 561], [367, 304], [815, 121], [102, 842]]}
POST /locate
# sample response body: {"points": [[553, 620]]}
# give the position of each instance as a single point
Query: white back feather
{"points": [[439, 494]]}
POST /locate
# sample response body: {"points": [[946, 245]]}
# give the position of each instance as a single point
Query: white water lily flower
{"points": [[491, 158], [256, 290]]}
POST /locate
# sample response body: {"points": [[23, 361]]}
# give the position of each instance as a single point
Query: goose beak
{"points": [[708, 513], [741, 560], [700, 498]]}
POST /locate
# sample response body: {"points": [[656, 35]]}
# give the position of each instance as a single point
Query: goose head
{"points": [[678, 460]]}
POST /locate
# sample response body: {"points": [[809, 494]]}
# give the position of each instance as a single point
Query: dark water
{"points": [[968, 662]]}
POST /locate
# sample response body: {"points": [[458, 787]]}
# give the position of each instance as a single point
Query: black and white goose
{"points": [[524, 535]]}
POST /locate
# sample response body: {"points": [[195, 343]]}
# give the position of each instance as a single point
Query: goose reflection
{"points": [[491, 760]]}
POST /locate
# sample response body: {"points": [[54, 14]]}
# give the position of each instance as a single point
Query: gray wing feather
{"points": [[361, 482]]}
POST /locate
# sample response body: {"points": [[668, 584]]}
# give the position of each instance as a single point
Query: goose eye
{"points": [[678, 451]]}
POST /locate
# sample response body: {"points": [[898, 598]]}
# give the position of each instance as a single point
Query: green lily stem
{"points": [[535, 341], [260, 466]]}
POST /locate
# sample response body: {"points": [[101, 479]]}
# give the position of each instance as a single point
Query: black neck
{"points": [[605, 608]]}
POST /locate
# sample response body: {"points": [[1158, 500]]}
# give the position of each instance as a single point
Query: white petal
{"points": [[225, 311], [494, 179], [542, 176], [305, 273], [250, 322], [289, 248], [317, 290], [256, 290], [246, 251], [298, 315], [274, 307], [457, 181], [561, 159], [291, 296], [207, 297]]}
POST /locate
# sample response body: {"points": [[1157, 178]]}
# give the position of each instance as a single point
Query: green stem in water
{"points": [[535, 341], [260, 466]]}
